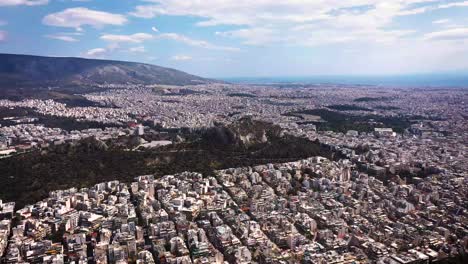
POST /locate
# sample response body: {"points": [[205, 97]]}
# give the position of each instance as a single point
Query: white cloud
{"points": [[62, 37], [96, 53], [142, 37], [441, 21], [428, 8], [181, 58], [80, 16], [139, 49], [253, 36], [309, 35], [3, 35], [233, 12], [195, 43], [446, 23], [247, 12], [23, 2], [134, 38], [449, 34], [454, 4], [303, 21], [102, 52], [155, 29]]}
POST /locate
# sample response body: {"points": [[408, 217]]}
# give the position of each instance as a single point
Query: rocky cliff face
{"points": [[244, 133], [249, 132]]}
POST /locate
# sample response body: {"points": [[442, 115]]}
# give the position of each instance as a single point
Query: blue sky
{"points": [[229, 38]]}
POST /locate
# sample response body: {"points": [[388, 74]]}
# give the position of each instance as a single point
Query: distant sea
{"points": [[421, 80]]}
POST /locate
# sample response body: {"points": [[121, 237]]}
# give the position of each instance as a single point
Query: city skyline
{"points": [[220, 38]]}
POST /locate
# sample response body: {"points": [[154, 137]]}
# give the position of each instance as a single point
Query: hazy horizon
{"points": [[413, 80], [435, 79]]}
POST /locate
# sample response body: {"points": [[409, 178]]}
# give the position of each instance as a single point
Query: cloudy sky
{"points": [[229, 38]]}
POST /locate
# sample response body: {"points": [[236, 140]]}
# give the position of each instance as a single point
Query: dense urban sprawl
{"points": [[391, 195]]}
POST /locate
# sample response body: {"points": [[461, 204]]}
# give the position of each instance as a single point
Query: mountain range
{"points": [[22, 71]]}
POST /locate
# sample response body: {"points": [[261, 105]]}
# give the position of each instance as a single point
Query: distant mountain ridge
{"points": [[23, 71]]}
